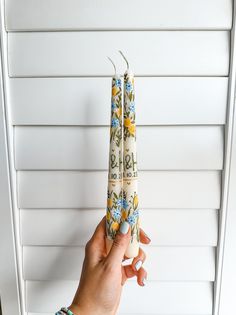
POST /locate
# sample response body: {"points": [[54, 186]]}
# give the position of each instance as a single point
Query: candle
{"points": [[114, 189], [122, 194], [130, 210]]}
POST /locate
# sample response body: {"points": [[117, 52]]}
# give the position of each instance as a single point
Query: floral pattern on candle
{"points": [[114, 206], [122, 195], [129, 107], [114, 190], [130, 174], [116, 112], [130, 211]]}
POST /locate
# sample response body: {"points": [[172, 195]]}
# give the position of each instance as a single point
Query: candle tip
{"points": [[124, 58], [113, 64]]}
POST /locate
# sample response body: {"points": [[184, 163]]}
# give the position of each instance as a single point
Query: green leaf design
{"points": [[130, 97]]}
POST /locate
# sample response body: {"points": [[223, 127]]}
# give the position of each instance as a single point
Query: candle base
{"points": [[131, 251]]}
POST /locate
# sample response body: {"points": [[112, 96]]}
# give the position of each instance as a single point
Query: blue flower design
{"points": [[131, 219], [118, 83], [128, 86], [116, 214], [113, 105], [132, 107], [119, 203], [136, 213], [124, 204], [115, 122]]}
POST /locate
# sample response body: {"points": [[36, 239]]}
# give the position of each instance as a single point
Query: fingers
{"points": [[120, 244], [130, 273], [95, 247], [138, 260], [142, 276], [143, 237], [127, 272], [100, 231]]}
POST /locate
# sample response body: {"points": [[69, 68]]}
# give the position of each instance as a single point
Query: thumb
{"points": [[120, 244]]}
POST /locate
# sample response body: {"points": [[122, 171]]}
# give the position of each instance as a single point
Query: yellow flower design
{"points": [[135, 201], [132, 129], [115, 226], [127, 122], [109, 203], [108, 216], [124, 214], [114, 90]]}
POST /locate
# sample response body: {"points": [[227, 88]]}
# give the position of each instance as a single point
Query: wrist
{"points": [[80, 310], [77, 309]]}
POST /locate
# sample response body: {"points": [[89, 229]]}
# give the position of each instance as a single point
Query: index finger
{"points": [[143, 237], [100, 232], [96, 246]]}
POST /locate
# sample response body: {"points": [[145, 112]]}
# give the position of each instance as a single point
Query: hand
{"points": [[103, 275]]}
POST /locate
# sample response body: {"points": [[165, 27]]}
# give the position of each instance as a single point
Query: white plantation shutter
{"points": [[57, 85]]}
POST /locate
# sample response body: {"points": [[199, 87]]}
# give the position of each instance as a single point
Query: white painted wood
{"points": [[190, 227], [8, 269], [86, 101], [173, 297], [79, 148], [162, 263], [227, 303], [158, 189], [84, 14], [11, 288], [226, 274], [78, 53]]}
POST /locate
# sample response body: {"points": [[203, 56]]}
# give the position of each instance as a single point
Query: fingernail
{"points": [[144, 281], [124, 227], [138, 264], [147, 237]]}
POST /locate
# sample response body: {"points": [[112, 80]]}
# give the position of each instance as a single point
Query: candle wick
{"points": [[125, 59], [113, 64]]}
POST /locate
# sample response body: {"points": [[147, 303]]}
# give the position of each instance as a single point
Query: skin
{"points": [[103, 275]]}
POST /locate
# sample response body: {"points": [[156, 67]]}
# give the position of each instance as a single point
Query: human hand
{"points": [[103, 275]]}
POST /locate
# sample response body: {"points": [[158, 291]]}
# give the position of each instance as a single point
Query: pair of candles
{"points": [[122, 197]]}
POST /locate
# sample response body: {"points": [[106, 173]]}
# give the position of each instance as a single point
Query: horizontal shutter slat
{"points": [[79, 148], [77, 53], [173, 227], [90, 14], [183, 297], [86, 101], [78, 189], [162, 263]]}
